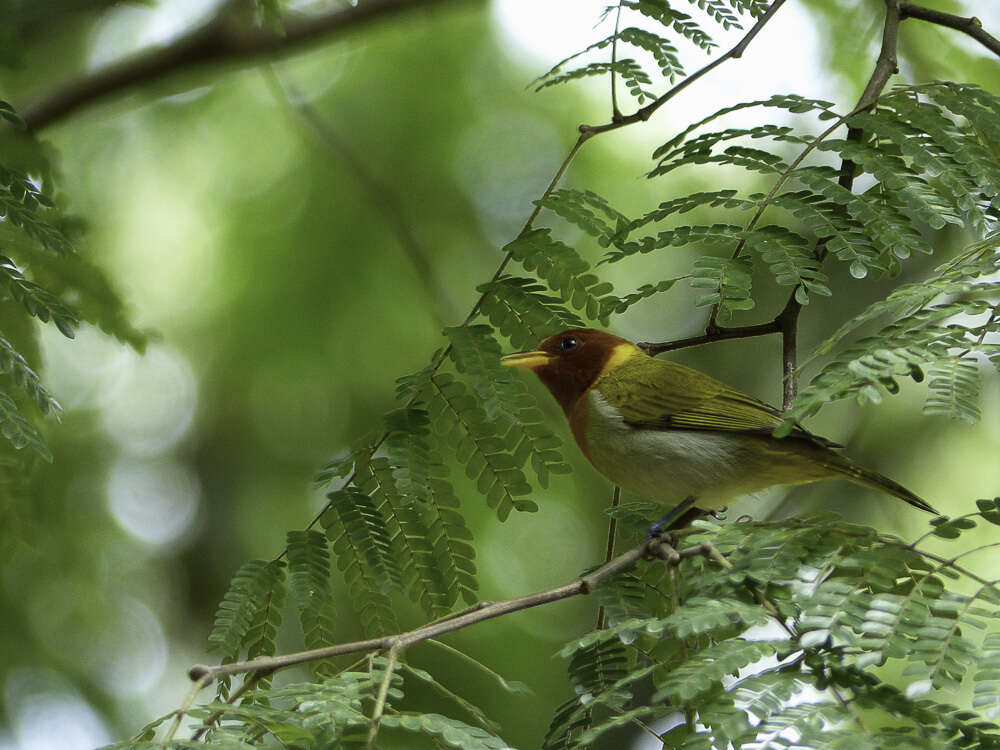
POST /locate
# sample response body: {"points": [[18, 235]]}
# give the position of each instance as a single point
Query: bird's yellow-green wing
{"points": [[650, 392]]}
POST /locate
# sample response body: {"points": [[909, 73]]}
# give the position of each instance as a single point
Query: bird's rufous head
{"points": [[570, 362]]}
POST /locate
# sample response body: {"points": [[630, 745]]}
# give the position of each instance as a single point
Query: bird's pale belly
{"points": [[671, 465]]}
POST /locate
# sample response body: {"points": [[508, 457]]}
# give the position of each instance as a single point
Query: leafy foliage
{"points": [[309, 581], [36, 233], [851, 598], [929, 332], [764, 634], [563, 269], [520, 308]]}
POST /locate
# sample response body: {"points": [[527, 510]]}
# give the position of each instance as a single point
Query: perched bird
{"points": [[675, 435]]}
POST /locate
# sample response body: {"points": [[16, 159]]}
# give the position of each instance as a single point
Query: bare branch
{"points": [[971, 26], [580, 586], [220, 40], [715, 333]]}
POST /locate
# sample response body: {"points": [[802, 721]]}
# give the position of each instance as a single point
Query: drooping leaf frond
{"points": [[562, 268], [309, 581], [37, 301], [245, 619], [18, 430], [415, 570], [26, 207], [505, 398], [12, 363], [364, 556], [485, 454], [589, 211]]}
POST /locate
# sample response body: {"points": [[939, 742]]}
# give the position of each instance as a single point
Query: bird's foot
{"points": [[719, 514], [680, 515]]}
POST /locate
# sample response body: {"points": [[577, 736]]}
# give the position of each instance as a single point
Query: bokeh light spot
{"points": [[153, 406], [47, 713], [133, 652], [155, 501]]}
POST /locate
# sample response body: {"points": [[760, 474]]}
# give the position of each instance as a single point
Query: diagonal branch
{"points": [[971, 25], [399, 641], [223, 38], [380, 194]]}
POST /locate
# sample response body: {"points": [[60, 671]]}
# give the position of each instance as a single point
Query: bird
{"points": [[669, 433]]}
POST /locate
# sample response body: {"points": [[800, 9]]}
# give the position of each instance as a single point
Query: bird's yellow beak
{"points": [[527, 360]]}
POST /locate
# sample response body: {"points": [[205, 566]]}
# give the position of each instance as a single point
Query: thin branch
{"points": [[644, 113], [971, 25], [224, 38], [182, 711], [383, 694], [380, 194], [609, 554], [580, 586], [616, 114], [714, 334]]}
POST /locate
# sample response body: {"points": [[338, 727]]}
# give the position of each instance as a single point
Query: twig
{"points": [[383, 693], [182, 711], [580, 586], [380, 194], [609, 554], [616, 114], [644, 113], [971, 26], [714, 334], [221, 39]]}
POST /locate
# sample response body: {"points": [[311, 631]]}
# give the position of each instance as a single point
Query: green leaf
{"points": [[453, 732], [562, 268], [486, 456], [36, 300], [727, 281], [524, 313], [245, 620], [309, 581], [364, 551], [18, 430], [505, 398]]}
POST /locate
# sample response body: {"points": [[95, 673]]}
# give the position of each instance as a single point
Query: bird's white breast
{"points": [[668, 465]]}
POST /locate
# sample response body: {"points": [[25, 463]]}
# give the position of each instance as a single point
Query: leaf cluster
{"points": [[35, 233], [659, 45]]}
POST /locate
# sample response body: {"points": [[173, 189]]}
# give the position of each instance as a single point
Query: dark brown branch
{"points": [[885, 67], [715, 333], [971, 25], [786, 322], [222, 39], [583, 585], [643, 114]]}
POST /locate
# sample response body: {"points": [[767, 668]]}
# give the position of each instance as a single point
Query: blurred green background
{"points": [[286, 301]]}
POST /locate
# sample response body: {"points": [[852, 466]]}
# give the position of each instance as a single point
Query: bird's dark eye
{"points": [[569, 343]]}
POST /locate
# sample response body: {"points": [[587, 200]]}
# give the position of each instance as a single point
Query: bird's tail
{"points": [[873, 479]]}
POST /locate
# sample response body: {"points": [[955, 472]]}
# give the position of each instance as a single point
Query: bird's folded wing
{"points": [[676, 397]]}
